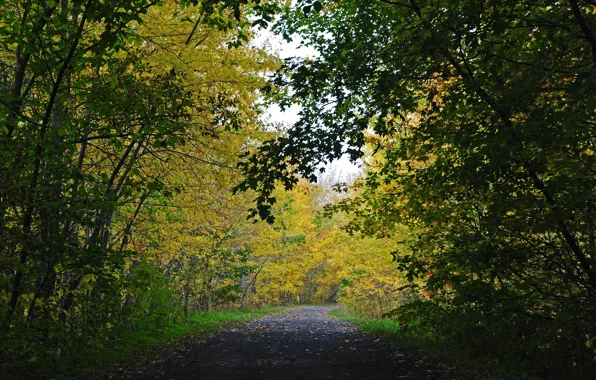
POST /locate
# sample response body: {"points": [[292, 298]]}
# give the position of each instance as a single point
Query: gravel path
{"points": [[299, 343]]}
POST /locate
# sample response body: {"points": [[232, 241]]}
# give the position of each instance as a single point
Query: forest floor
{"points": [[299, 343]]}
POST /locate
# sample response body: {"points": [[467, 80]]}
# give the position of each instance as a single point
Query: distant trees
{"points": [[312, 259]]}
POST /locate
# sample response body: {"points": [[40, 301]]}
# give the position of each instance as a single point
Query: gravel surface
{"points": [[299, 343]]}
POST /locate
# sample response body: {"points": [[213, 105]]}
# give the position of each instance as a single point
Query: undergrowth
{"points": [[141, 347], [440, 352], [135, 348]]}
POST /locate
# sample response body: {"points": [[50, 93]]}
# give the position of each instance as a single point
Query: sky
{"points": [[340, 170]]}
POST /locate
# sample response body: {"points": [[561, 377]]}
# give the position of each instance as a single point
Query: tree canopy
{"points": [[481, 116], [136, 160]]}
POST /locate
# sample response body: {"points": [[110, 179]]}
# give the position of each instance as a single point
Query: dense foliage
{"points": [[121, 127], [120, 133], [481, 117], [104, 109]]}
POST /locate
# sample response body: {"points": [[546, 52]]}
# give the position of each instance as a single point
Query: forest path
{"points": [[299, 343]]}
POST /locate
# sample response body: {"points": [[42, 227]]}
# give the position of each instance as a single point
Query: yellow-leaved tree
{"points": [[198, 236]]}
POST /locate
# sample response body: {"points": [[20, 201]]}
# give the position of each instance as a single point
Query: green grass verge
{"points": [[440, 353], [379, 327], [198, 323], [140, 347]]}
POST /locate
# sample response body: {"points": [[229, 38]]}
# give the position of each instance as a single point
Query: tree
{"points": [[486, 116], [96, 100]]}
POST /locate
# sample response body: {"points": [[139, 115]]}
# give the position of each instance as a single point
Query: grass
{"points": [[198, 323], [139, 348], [436, 351], [379, 327]]}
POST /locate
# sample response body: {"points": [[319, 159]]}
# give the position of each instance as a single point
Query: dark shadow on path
{"points": [[300, 343]]}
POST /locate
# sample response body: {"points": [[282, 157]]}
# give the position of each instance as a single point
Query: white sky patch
{"points": [[341, 170]]}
